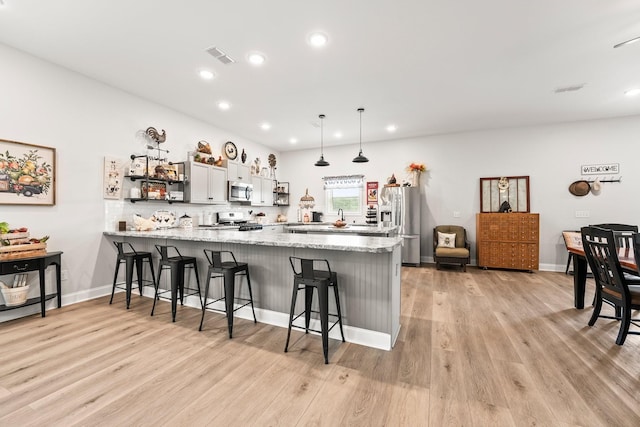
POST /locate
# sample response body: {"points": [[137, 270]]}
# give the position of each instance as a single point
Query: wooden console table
{"points": [[39, 263]]}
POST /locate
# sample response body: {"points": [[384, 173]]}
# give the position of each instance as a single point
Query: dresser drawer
{"points": [[18, 266]]}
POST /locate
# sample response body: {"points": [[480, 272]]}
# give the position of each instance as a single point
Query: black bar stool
{"points": [[307, 277], [227, 270], [177, 265], [131, 259]]}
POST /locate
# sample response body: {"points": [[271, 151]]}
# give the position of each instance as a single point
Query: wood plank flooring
{"points": [[482, 348]]}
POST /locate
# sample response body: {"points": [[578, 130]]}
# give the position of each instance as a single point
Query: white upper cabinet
{"points": [[239, 172], [262, 191], [206, 184]]}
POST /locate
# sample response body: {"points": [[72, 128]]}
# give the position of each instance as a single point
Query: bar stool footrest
{"points": [[186, 293], [314, 330], [243, 301], [145, 282]]}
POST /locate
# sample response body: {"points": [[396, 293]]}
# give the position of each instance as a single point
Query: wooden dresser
{"points": [[508, 240]]}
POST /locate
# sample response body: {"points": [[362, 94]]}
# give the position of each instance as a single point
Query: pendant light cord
{"points": [[322, 161], [360, 158], [322, 134], [360, 110]]}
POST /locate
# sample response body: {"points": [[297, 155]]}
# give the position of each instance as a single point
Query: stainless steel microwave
{"points": [[240, 191]]}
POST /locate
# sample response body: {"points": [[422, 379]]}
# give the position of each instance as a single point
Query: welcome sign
{"points": [[604, 169]]}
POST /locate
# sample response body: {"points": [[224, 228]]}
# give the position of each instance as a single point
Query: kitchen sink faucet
{"points": [[341, 214]]}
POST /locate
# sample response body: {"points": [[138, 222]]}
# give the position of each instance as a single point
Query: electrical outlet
{"points": [[456, 214], [582, 214], [64, 275]]}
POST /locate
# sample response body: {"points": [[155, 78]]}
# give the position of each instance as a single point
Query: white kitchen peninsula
{"points": [[361, 230], [368, 272]]}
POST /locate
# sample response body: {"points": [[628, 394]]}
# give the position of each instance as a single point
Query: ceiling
{"points": [[427, 66]]}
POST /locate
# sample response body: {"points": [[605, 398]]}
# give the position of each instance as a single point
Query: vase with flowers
{"points": [[415, 169]]}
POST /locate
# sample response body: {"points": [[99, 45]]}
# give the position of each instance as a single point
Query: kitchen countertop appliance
{"points": [[401, 207], [231, 218], [316, 216], [226, 220], [240, 191]]}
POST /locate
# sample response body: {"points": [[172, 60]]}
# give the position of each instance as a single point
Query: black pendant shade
{"points": [[360, 158], [322, 161]]}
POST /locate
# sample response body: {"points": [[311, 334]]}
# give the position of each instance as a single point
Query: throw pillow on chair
{"points": [[446, 240]]}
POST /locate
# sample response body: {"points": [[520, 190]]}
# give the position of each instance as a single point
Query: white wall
{"points": [[85, 121], [550, 155]]}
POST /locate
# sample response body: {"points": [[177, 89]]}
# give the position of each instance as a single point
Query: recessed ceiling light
{"points": [[318, 39], [206, 74], [256, 58], [265, 126], [337, 135], [293, 140], [391, 128], [632, 92], [224, 105]]}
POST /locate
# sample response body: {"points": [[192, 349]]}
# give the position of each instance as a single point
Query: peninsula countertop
{"points": [[335, 242], [370, 230]]}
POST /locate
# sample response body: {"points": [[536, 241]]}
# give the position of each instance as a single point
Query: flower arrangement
{"points": [[416, 167]]}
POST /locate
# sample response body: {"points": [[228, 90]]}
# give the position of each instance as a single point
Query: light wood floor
{"points": [[482, 348]]}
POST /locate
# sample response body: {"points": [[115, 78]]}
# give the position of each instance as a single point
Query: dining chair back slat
{"points": [[611, 286]]}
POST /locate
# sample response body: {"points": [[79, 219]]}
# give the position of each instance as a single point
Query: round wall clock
{"points": [[230, 150]]}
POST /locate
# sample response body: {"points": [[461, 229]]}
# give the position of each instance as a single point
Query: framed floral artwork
{"points": [[27, 174]]}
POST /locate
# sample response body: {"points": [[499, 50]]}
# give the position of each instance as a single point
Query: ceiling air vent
{"points": [[569, 88], [220, 55]]}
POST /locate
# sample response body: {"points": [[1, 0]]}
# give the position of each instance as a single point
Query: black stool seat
{"points": [[131, 258], [177, 264], [226, 270], [306, 276]]}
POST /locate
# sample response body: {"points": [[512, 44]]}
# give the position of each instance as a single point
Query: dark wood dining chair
{"points": [[611, 285], [623, 235]]}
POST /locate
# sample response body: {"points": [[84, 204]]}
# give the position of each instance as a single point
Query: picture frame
{"points": [[27, 174], [514, 190], [372, 192], [112, 178]]}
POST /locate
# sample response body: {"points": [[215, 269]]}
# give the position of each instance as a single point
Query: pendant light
{"points": [[322, 161], [360, 158]]}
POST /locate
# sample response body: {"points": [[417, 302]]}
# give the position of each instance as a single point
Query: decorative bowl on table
{"points": [[339, 224]]}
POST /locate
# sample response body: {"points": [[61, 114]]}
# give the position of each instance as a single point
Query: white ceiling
{"points": [[428, 66]]}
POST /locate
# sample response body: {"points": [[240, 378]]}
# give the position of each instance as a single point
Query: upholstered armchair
{"points": [[450, 246]]}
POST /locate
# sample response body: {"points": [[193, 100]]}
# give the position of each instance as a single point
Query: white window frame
{"points": [[342, 182]]}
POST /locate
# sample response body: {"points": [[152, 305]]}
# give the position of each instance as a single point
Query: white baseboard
{"points": [[52, 304], [352, 334], [541, 267], [86, 295]]}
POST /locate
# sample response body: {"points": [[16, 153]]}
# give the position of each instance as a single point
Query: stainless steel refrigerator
{"points": [[401, 207]]}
